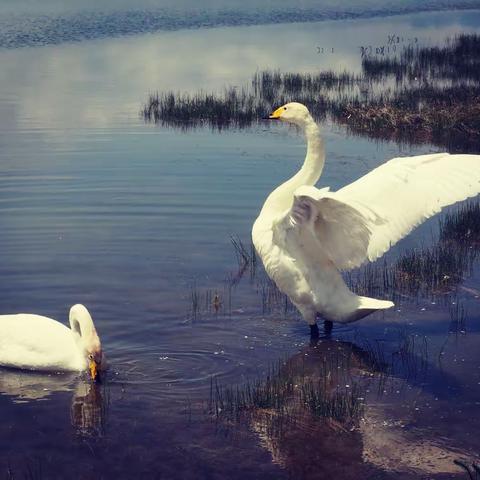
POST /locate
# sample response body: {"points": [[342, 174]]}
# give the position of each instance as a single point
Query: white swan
{"points": [[305, 236], [34, 342]]}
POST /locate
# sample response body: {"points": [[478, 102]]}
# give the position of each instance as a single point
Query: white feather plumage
{"points": [[305, 236]]}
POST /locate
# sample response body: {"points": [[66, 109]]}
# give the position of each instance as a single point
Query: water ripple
{"points": [[22, 30]]}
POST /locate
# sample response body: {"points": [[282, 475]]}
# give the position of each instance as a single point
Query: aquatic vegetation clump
{"points": [[457, 60], [208, 301], [344, 404], [326, 389], [434, 269], [271, 393], [233, 107], [429, 94], [447, 116], [463, 225]]}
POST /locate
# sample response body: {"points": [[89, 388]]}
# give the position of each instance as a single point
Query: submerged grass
{"points": [[427, 94]]}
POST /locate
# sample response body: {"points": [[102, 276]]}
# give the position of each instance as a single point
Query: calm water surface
{"points": [[98, 208]]}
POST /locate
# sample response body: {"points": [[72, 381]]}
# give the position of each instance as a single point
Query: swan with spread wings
{"points": [[306, 236]]}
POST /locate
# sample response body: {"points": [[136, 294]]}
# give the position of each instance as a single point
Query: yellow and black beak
{"points": [[276, 114], [94, 371]]}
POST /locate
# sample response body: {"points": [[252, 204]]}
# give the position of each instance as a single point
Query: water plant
{"points": [[246, 259], [208, 301], [291, 390]]}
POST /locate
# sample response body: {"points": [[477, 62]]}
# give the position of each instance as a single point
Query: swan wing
{"points": [[402, 193], [322, 227], [38, 343], [363, 220]]}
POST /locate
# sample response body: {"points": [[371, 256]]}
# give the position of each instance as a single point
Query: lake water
{"points": [[134, 220]]}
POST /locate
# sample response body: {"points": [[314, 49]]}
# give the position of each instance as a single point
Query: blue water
{"points": [[97, 207]]}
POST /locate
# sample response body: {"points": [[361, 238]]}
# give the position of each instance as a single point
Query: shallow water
{"points": [[98, 208]]}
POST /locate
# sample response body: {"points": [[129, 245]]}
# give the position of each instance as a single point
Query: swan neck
{"points": [[315, 158], [282, 197], [83, 329]]}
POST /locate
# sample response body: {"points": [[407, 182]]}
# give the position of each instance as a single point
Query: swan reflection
{"points": [[23, 386], [88, 412], [347, 418], [89, 405]]}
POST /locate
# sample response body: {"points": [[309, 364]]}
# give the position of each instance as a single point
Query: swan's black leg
{"points": [[314, 332], [327, 327]]}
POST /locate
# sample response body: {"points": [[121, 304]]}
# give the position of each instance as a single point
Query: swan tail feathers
{"points": [[367, 306], [374, 304]]}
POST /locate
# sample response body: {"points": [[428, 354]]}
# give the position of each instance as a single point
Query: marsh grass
{"points": [[341, 406], [445, 116], [427, 94], [288, 393], [457, 59], [272, 299], [205, 302], [246, 259], [438, 269], [270, 393], [463, 225], [232, 107]]}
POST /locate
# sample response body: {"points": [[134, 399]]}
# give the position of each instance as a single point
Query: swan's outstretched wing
{"points": [[404, 192], [364, 219], [319, 226]]}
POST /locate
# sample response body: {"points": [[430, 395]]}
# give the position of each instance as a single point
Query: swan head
{"points": [[292, 112], [87, 339]]}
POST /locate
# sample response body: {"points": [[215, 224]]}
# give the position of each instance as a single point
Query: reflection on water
{"points": [[89, 405], [89, 409], [23, 386], [384, 437]]}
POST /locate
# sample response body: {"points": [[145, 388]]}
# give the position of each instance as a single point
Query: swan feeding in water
{"points": [[34, 342], [306, 236]]}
